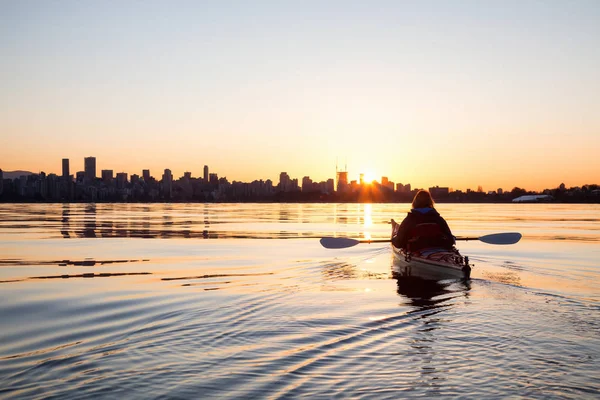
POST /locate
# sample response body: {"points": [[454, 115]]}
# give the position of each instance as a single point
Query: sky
{"points": [[450, 93]]}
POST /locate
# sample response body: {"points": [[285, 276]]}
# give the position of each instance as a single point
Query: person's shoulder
{"points": [[433, 211], [409, 217]]}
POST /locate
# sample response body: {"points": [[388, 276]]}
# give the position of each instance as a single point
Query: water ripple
{"points": [[285, 318]]}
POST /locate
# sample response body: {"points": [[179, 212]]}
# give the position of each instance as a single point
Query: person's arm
{"points": [[447, 231], [401, 239]]}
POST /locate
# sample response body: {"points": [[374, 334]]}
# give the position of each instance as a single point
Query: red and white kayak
{"points": [[433, 264]]}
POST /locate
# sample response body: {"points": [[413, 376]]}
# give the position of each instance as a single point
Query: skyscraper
{"points": [[89, 169], [307, 184], [107, 176], [167, 183], [65, 168], [121, 180], [330, 185], [342, 181], [206, 173], [284, 182], [79, 176], [146, 175]]}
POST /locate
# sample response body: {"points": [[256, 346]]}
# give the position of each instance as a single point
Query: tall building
{"points": [[342, 181], [146, 175], [107, 176], [307, 184], [42, 185], [330, 185], [385, 182], [213, 178], [206, 173], [121, 180], [65, 168], [89, 169], [167, 183], [53, 185], [284, 182]]}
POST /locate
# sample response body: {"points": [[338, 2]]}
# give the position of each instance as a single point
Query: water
{"points": [[240, 300]]}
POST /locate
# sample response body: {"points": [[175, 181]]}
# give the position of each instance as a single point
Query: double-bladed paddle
{"points": [[494, 238]]}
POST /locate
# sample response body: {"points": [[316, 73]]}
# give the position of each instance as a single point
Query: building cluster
{"points": [[87, 186]]}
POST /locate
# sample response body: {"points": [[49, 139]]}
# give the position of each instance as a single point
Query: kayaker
{"points": [[423, 227]]}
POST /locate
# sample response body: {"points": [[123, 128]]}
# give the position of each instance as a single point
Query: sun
{"points": [[369, 176]]}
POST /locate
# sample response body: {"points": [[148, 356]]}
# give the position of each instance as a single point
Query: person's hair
{"points": [[423, 199]]}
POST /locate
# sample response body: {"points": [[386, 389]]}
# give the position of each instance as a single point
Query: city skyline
{"points": [[460, 94], [90, 174], [85, 186], [95, 172]]}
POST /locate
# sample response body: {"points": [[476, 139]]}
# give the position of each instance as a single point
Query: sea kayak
{"points": [[434, 264]]}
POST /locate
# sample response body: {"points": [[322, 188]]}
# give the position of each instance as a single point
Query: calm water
{"points": [[239, 300]]}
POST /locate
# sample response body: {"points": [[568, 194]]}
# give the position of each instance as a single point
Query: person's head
{"points": [[422, 199]]}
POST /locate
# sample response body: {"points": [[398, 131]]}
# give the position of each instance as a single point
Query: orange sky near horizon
{"points": [[497, 171], [460, 95]]}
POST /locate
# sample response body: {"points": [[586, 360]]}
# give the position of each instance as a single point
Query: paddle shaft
{"points": [[495, 238], [389, 240], [375, 241]]}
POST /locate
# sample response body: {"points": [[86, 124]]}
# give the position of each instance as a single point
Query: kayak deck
{"points": [[434, 264]]}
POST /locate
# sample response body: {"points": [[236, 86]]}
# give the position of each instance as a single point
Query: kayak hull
{"points": [[436, 266]]}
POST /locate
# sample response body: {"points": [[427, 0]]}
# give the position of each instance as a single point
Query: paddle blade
{"points": [[501, 238], [338, 243]]}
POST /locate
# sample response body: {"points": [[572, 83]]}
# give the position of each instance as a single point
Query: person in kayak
{"points": [[423, 227]]}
